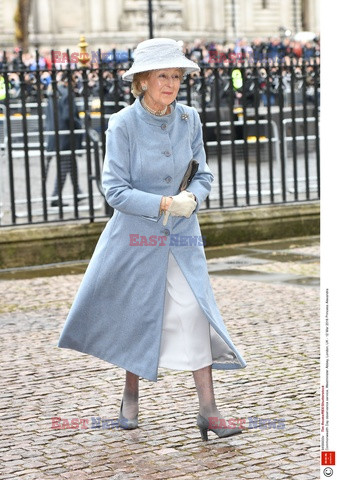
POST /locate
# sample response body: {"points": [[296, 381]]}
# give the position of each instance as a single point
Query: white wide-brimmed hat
{"points": [[158, 53]]}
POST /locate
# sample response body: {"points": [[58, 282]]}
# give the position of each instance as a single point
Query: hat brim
{"points": [[187, 65]]}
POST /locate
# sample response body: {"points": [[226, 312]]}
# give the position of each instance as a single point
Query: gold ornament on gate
{"points": [[83, 57]]}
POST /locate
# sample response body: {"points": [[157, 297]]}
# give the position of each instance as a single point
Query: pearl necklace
{"points": [[158, 113]]}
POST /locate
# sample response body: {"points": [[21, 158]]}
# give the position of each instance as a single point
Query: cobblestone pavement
{"points": [[273, 318]]}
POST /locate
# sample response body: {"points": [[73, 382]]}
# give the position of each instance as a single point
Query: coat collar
{"points": [[153, 119]]}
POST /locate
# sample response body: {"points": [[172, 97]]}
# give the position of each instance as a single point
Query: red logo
{"points": [[328, 458]]}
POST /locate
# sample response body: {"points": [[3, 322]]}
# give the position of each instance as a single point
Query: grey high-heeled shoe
{"points": [[203, 424], [125, 423]]}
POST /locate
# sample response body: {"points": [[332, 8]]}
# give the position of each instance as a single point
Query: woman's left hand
{"points": [[182, 205]]}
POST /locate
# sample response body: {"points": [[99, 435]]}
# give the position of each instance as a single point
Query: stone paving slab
{"points": [[275, 327]]}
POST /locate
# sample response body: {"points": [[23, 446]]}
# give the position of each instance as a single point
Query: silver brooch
{"points": [[184, 116]]}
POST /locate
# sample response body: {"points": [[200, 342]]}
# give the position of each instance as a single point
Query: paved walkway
{"points": [[269, 297]]}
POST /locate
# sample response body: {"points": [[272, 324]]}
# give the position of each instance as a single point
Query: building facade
{"points": [[109, 23]]}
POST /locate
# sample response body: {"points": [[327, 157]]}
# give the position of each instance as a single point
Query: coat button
{"points": [[167, 153], [167, 231], [168, 179], [163, 126]]}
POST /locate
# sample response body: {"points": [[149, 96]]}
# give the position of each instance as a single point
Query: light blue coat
{"points": [[118, 310]]}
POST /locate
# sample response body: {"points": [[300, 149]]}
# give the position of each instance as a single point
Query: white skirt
{"points": [[185, 342]]}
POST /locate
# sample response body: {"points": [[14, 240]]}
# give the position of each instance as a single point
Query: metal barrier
{"points": [[310, 181], [248, 127], [276, 188], [39, 206]]}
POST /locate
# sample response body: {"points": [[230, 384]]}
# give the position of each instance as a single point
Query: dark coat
{"points": [[63, 110]]}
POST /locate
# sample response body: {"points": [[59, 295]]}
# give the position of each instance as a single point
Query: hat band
{"points": [[158, 53]]}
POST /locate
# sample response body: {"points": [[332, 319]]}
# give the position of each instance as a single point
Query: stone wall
{"points": [[46, 244]]}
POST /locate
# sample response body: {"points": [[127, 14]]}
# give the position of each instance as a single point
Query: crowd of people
{"points": [[273, 48], [258, 50], [206, 54]]}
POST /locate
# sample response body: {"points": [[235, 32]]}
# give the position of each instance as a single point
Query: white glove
{"points": [[182, 205]]}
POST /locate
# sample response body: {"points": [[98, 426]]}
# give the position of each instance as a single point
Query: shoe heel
{"points": [[204, 433], [124, 422]]}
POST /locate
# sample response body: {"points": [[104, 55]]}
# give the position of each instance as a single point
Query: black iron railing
{"points": [[260, 120]]}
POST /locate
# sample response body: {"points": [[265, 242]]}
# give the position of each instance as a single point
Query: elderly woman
{"points": [[145, 300]]}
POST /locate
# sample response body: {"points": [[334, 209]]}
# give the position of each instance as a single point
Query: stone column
{"points": [[244, 17], [85, 19], [41, 11], [231, 31], [313, 15], [296, 22], [218, 17], [112, 13], [52, 16], [204, 15], [286, 12], [96, 16], [190, 15]]}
